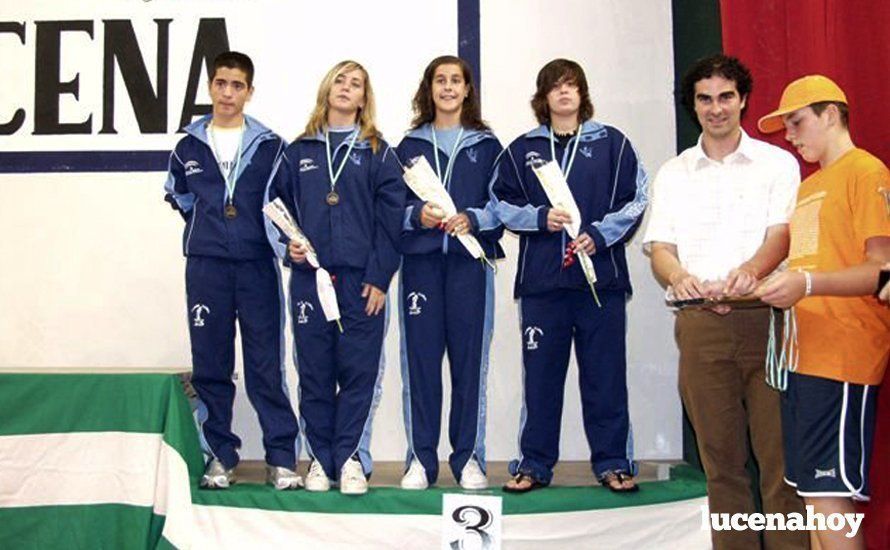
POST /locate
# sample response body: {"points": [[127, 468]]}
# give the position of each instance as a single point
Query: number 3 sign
{"points": [[471, 522]]}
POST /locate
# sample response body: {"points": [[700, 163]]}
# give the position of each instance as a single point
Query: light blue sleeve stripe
{"points": [[487, 216], [406, 224], [186, 201], [273, 234], [518, 218], [615, 225], [515, 218]]}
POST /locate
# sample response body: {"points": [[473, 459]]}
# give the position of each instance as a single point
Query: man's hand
{"points": [[783, 290], [431, 215], [714, 289], [686, 286], [741, 281], [557, 219], [458, 224], [376, 299], [297, 252]]}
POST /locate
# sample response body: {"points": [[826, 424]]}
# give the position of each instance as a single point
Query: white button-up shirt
{"points": [[717, 213]]}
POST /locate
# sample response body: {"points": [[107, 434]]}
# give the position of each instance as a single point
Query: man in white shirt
{"points": [[718, 225]]}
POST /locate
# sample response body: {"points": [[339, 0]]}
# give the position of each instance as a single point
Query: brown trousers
{"points": [[723, 389]]}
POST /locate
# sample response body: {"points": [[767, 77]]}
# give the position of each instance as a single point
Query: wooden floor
{"points": [[390, 473]]}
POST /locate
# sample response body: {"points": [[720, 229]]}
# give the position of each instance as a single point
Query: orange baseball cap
{"points": [[797, 95]]}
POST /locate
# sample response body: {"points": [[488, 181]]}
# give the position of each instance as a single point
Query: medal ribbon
{"points": [[232, 176], [327, 149], [565, 169], [451, 157]]}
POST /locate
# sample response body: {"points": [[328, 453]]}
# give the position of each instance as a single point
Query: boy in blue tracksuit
{"points": [[609, 187], [447, 296], [217, 180], [343, 186]]}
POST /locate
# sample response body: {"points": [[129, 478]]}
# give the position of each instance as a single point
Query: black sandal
{"points": [[612, 476], [519, 478]]}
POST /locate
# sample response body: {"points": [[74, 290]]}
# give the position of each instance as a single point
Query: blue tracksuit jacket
{"points": [[196, 187], [468, 187], [362, 232], [610, 188]]}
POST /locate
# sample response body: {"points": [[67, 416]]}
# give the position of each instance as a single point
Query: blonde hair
{"points": [[366, 115]]}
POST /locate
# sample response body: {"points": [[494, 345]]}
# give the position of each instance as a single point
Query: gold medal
{"points": [[230, 211], [332, 198]]}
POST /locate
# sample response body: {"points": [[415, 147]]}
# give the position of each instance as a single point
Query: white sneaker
{"points": [[316, 480], [352, 478], [472, 477], [415, 478], [282, 479], [216, 476]]}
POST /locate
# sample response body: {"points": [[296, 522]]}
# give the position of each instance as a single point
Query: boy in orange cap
{"points": [[840, 237]]}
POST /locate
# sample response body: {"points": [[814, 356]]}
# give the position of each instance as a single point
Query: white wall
{"points": [[93, 274]]}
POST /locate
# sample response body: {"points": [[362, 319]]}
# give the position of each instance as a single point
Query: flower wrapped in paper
{"points": [[424, 182], [327, 296], [560, 196]]}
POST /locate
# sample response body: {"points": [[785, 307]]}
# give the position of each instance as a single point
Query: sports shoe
{"points": [[216, 476], [472, 477], [316, 480], [282, 478], [352, 478], [415, 478]]}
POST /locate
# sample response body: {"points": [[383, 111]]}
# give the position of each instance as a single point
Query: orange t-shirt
{"points": [[838, 209]]}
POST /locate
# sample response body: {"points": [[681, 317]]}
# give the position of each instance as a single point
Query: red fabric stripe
{"points": [[846, 40]]}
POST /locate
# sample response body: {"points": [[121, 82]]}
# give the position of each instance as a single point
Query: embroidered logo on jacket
{"points": [[192, 167], [532, 333], [473, 155], [355, 158], [533, 159], [414, 300], [307, 164], [199, 310], [586, 151], [303, 309]]}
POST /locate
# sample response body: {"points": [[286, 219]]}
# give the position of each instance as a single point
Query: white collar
{"points": [[742, 154]]}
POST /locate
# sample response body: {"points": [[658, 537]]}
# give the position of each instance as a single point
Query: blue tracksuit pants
{"points": [[550, 322], [219, 291], [340, 373], [447, 302]]}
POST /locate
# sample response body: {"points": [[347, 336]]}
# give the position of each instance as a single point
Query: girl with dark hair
{"points": [[608, 186], [447, 296], [342, 184]]}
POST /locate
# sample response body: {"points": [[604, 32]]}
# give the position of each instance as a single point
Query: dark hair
{"points": [[728, 67], [842, 108], [234, 60], [552, 75], [425, 108]]}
